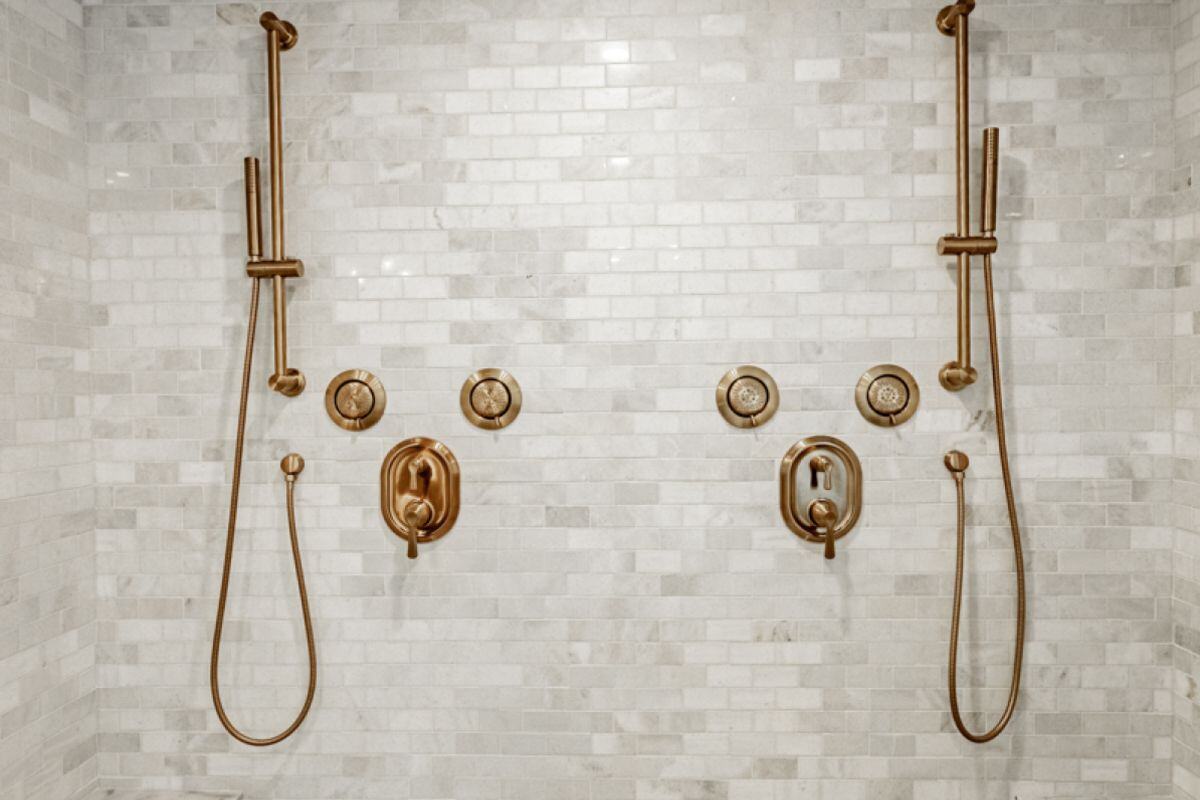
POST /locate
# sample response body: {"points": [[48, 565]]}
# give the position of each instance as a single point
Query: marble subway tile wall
{"points": [[617, 201], [47, 494], [1186, 359]]}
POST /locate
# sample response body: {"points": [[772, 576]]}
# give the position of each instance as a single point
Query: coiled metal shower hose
{"points": [[229, 537], [958, 473]]}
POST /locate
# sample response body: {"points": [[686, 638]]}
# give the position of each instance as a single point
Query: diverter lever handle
{"points": [[418, 512], [823, 465]]}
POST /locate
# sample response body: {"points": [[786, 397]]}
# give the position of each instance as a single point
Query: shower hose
{"points": [[1014, 526], [229, 537]]}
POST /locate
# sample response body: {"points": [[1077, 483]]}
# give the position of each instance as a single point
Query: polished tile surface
{"points": [[619, 201], [159, 794], [48, 737]]}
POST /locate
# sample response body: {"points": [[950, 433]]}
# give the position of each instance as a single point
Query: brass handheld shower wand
{"points": [[958, 374], [281, 35]]}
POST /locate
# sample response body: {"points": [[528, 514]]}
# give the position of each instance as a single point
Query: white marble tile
{"points": [[616, 201]]}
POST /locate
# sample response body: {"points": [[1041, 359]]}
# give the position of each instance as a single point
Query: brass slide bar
{"points": [[959, 374], [281, 35], [963, 113], [953, 21]]}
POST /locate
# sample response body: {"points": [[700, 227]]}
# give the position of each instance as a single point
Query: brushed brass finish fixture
{"points": [[824, 514], [290, 382], [355, 400], [957, 463], [820, 465], [284, 30], [490, 399], [418, 491], [887, 395], [948, 17], [831, 506], [988, 186], [281, 35], [747, 397], [952, 21], [251, 185], [966, 245], [288, 268]]}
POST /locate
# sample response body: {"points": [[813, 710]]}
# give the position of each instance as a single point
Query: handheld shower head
{"points": [[991, 158]]}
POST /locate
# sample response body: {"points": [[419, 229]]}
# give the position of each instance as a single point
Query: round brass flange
{"points": [[887, 395], [292, 465], [286, 30], [355, 400], [955, 378], [947, 18], [490, 399], [747, 397], [289, 384]]}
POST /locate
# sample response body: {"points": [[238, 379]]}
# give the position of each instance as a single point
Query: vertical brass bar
{"points": [[278, 297], [962, 153], [991, 158], [276, 145], [280, 301], [253, 209], [276, 157], [962, 115]]}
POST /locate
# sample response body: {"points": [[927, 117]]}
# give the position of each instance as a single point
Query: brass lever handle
{"points": [[823, 465], [418, 512], [824, 515]]}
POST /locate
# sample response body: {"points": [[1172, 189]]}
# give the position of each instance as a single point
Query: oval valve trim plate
{"points": [[440, 495], [797, 514]]}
